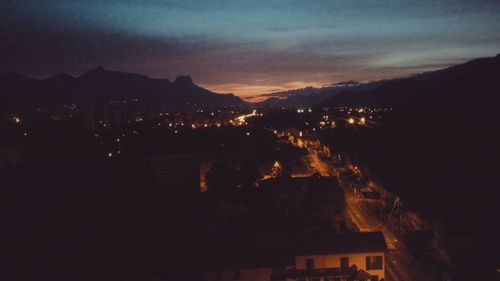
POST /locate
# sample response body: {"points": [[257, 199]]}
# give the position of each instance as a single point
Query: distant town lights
{"points": [[351, 120]]}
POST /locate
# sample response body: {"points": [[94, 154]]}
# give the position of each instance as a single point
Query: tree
{"points": [[325, 200], [248, 173], [277, 170], [222, 178]]}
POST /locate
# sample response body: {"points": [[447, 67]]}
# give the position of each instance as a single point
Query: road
{"points": [[400, 264]]}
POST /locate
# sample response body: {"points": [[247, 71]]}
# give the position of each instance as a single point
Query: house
{"points": [[301, 257], [335, 256]]}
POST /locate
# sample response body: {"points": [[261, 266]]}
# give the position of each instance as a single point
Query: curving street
{"points": [[400, 264]]}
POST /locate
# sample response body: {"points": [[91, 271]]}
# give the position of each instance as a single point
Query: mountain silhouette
{"points": [[310, 96], [22, 93], [473, 82]]}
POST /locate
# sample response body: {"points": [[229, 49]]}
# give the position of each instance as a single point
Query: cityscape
{"points": [[292, 144]]}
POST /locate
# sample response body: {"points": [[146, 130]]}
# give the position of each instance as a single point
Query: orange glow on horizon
{"points": [[251, 89]]}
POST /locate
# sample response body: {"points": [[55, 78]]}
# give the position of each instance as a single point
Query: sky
{"points": [[247, 47]]}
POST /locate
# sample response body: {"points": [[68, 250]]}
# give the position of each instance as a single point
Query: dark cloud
{"points": [[346, 83], [265, 47]]}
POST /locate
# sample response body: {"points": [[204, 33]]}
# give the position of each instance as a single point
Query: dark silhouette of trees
{"points": [[248, 173], [325, 200], [222, 178]]}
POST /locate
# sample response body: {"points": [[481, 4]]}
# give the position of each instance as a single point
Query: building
{"points": [[323, 257], [95, 113], [178, 174], [302, 257]]}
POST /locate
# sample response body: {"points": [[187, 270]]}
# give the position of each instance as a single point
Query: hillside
{"points": [[310, 96], [453, 84], [439, 144], [22, 93]]}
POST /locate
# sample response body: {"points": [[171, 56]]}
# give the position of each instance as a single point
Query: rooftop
{"points": [[280, 248]]}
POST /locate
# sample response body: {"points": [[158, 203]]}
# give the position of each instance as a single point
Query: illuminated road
{"points": [[241, 119], [400, 265]]}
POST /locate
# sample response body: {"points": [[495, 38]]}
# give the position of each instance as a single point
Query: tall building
{"points": [[179, 174], [95, 113]]}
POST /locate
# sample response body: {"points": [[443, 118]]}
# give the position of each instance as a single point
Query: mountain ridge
{"points": [[451, 84], [19, 92]]}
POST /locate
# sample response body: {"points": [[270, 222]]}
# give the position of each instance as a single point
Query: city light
{"points": [[351, 120], [240, 120], [362, 120]]}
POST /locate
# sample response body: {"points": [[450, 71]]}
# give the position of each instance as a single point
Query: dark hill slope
{"points": [[20, 93]]}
